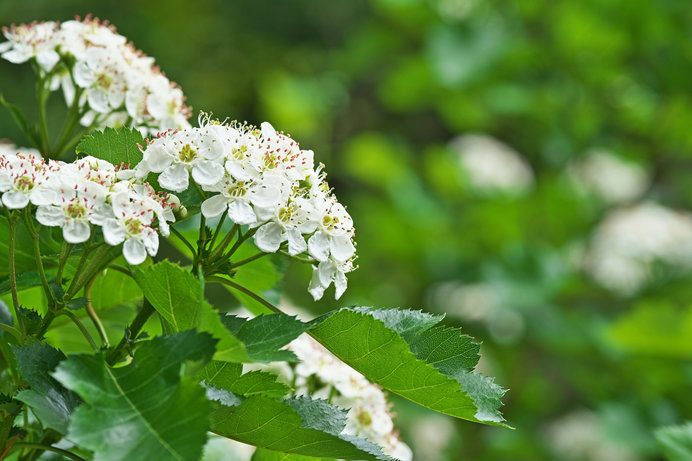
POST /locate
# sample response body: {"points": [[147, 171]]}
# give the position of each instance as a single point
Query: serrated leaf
{"points": [[275, 425], [25, 279], [144, 410], [226, 375], [676, 441], [445, 384], [115, 146], [178, 297], [51, 403], [264, 335]]}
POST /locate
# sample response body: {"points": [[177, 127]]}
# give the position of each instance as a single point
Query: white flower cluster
{"points": [[85, 193], [609, 177], [492, 166], [628, 243], [118, 84], [262, 179], [369, 415]]}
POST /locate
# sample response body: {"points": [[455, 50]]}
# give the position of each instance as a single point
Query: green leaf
{"points": [[115, 146], [51, 403], [225, 375], [676, 441], [25, 279], [268, 455], [298, 426], [144, 410], [264, 335], [178, 297], [433, 370]]}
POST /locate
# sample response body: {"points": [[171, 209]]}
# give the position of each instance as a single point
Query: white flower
{"points": [[132, 225], [492, 165], [27, 178], [609, 177]]}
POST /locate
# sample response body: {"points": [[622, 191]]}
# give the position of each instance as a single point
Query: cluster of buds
{"points": [[86, 195], [260, 178], [114, 83]]}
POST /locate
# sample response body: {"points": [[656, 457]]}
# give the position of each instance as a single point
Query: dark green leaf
{"points": [[51, 403], [268, 455], [274, 425], [264, 335], [25, 279], [434, 371], [144, 410], [115, 146]]}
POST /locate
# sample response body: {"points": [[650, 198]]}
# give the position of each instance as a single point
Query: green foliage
{"points": [[296, 426], [51, 403], [145, 409], [265, 334], [433, 368], [676, 441], [115, 146], [226, 375], [268, 455]]}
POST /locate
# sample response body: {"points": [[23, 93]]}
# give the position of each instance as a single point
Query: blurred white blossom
{"points": [[492, 165], [578, 436], [612, 179], [630, 240]]}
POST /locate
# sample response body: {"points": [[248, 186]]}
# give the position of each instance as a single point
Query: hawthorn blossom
{"points": [[262, 179], [116, 84]]}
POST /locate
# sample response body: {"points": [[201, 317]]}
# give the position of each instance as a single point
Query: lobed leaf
{"points": [[115, 146]]}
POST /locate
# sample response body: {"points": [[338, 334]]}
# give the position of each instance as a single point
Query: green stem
{"points": [[298, 258], [239, 242], [224, 243], [244, 290], [42, 99], [187, 243], [81, 327], [39, 260], [13, 274], [65, 252], [94, 316], [39, 446], [218, 229], [202, 240], [249, 260], [131, 332], [71, 122], [13, 331]]}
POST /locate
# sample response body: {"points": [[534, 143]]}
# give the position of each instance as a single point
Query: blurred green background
{"points": [[381, 90]]}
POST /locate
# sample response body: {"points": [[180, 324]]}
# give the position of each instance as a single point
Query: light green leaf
{"points": [[676, 441], [144, 410], [178, 297], [295, 426], [225, 375], [434, 370], [51, 403], [115, 146]]}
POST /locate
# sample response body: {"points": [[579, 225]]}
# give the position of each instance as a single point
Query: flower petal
{"points": [[50, 216], [241, 212], [269, 237], [207, 172], [316, 288], [318, 246], [340, 284], [214, 206], [341, 247], [296, 242], [134, 251], [14, 199], [76, 231], [174, 178], [113, 233]]}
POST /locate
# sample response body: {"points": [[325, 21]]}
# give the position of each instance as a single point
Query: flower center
{"points": [[76, 211], [364, 418], [25, 183], [239, 152], [237, 190], [285, 214], [187, 154], [134, 226], [329, 222]]}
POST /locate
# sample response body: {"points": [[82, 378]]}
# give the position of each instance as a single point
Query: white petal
{"points": [[16, 56], [340, 284], [14, 199], [83, 75], [134, 251], [98, 100], [341, 247], [214, 206], [241, 212], [50, 216], [76, 231], [207, 173], [157, 157], [326, 271], [269, 237], [174, 178], [68, 89], [296, 242], [316, 288], [40, 196], [151, 243], [266, 196], [268, 131], [318, 246], [113, 233], [47, 59]]}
